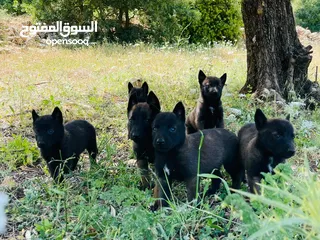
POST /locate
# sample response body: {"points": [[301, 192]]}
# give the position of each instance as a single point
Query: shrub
{"points": [[18, 152], [72, 11], [308, 15], [169, 20], [220, 21], [17, 7]]}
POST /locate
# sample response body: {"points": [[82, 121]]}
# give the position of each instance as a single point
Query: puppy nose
{"points": [[41, 145], [213, 90], [135, 136], [160, 141], [291, 152]]}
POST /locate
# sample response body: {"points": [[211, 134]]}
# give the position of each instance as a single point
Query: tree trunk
{"points": [[127, 18], [120, 16], [277, 63]]}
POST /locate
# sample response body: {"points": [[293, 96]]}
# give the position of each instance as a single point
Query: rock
{"points": [[314, 36], [193, 91], [306, 124], [231, 118], [297, 104], [306, 34], [228, 94], [235, 111], [281, 103], [131, 163], [302, 32]]}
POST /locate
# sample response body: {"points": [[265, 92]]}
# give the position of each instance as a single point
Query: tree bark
{"points": [[120, 16], [127, 18], [277, 63]]}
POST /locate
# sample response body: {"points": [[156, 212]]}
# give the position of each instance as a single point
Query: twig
{"points": [[17, 114], [39, 83]]}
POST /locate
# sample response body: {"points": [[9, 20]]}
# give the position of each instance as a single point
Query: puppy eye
{"points": [[172, 129], [154, 129], [148, 120], [50, 131], [276, 135], [131, 120]]}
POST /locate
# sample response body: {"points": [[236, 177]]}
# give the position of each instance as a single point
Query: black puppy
{"points": [[208, 112], [176, 154], [264, 145], [140, 116], [141, 93], [61, 145]]}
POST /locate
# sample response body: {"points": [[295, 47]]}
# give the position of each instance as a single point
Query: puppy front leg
{"points": [[70, 164], [200, 123], [220, 122], [237, 179], [162, 191], [252, 182], [191, 188], [55, 170], [145, 176]]}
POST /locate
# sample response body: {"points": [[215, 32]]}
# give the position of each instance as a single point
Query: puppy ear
{"points": [[201, 77], [35, 116], [223, 78], [179, 111], [130, 86], [153, 102], [288, 117], [145, 88], [132, 101], [260, 119], [57, 114]]}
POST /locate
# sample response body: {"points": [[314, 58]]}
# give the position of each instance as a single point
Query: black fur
{"points": [[61, 145], [140, 116], [208, 112], [177, 154], [263, 145], [140, 93]]}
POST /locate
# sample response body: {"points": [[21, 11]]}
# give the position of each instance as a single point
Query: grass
{"points": [[105, 203], [288, 208]]}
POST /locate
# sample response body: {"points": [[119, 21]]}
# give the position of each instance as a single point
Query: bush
{"points": [[220, 21], [19, 152], [166, 21], [308, 15], [169, 20], [72, 11], [17, 7]]}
